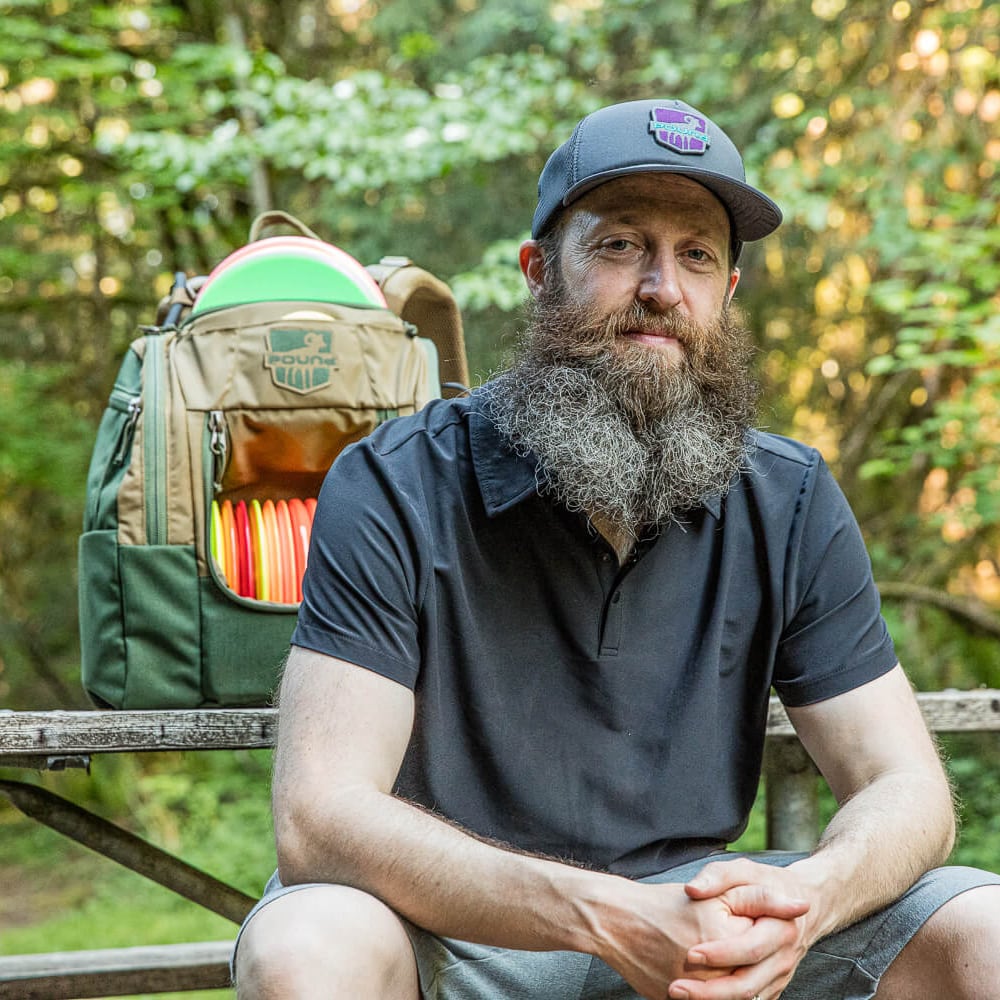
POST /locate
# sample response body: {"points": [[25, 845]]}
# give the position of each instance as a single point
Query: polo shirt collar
{"points": [[506, 478], [713, 504]]}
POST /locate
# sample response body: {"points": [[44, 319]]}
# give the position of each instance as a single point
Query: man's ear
{"points": [[734, 280], [532, 261]]}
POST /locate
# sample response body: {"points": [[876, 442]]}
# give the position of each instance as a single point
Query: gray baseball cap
{"points": [[656, 135]]}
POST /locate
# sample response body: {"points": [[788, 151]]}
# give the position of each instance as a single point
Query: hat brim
{"points": [[752, 213]]}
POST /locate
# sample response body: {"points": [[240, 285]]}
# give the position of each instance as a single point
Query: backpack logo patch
{"points": [[300, 360]]}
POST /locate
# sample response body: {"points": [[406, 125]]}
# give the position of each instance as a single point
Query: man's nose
{"points": [[659, 284]]}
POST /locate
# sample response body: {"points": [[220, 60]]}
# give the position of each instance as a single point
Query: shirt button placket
{"points": [[612, 631]]}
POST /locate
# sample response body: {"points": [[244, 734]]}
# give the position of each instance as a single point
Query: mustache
{"points": [[640, 318], [563, 329], [714, 352]]}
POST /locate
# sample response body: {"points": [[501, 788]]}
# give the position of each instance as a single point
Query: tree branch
{"points": [[971, 611], [260, 186], [855, 444]]}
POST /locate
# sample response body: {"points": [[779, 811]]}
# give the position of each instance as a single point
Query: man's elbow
{"points": [[942, 806], [313, 838], [295, 847]]}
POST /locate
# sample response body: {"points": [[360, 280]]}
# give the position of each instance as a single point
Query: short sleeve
{"points": [[361, 586], [835, 638]]}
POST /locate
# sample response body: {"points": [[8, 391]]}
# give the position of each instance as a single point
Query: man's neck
{"points": [[620, 539]]}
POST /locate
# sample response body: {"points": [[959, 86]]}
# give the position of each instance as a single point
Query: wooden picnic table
{"points": [[58, 740]]}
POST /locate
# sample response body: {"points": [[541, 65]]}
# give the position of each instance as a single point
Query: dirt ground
{"points": [[33, 892]]}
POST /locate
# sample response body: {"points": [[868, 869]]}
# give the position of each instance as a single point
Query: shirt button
{"points": [[616, 598]]}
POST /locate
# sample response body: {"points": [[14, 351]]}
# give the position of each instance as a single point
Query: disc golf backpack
{"points": [[221, 425]]}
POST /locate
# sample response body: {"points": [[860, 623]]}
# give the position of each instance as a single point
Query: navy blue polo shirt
{"points": [[610, 715]]}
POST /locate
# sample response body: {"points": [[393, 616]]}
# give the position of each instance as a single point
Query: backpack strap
{"points": [[173, 308], [276, 217], [417, 297]]}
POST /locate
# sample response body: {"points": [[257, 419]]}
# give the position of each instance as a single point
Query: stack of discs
{"points": [[288, 269], [260, 549]]}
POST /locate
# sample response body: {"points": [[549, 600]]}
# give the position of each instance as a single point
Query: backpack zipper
{"points": [[214, 448], [133, 410], [218, 445], [155, 438], [97, 492]]}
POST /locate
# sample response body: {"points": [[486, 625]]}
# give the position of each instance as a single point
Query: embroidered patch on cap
{"points": [[680, 131]]}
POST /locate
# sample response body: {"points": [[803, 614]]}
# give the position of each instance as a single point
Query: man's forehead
{"points": [[642, 192]]}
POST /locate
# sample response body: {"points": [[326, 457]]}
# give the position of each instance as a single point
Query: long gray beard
{"points": [[619, 432]]}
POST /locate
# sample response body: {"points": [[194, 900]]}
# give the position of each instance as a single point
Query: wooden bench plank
{"points": [[961, 711], [115, 972], [944, 711], [43, 734]]}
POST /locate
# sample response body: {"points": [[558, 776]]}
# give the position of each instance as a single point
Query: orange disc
{"points": [[276, 589], [232, 550], [300, 530], [286, 550]]}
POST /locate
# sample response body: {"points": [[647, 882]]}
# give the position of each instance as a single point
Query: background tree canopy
{"points": [[140, 138]]}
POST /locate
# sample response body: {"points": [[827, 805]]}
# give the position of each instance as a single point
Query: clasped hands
{"points": [[733, 932]]}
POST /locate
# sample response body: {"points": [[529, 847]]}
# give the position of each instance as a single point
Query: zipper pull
{"points": [[128, 431], [218, 445]]}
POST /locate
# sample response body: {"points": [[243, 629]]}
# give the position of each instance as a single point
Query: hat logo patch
{"points": [[680, 131]]}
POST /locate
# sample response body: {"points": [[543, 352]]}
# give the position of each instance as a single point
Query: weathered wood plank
{"points": [[961, 711], [116, 971], [43, 734], [945, 712], [792, 781]]}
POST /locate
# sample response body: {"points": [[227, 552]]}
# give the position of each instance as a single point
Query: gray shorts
{"points": [[843, 966]]}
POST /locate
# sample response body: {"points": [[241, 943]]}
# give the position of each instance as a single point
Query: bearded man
{"points": [[525, 705]]}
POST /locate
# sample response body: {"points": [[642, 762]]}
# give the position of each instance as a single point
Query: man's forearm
{"points": [[442, 878], [874, 848], [895, 819]]}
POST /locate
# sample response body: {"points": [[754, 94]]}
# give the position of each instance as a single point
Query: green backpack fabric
{"points": [[251, 402]]}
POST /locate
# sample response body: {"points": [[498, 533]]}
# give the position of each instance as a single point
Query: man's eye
{"points": [[619, 245]]}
